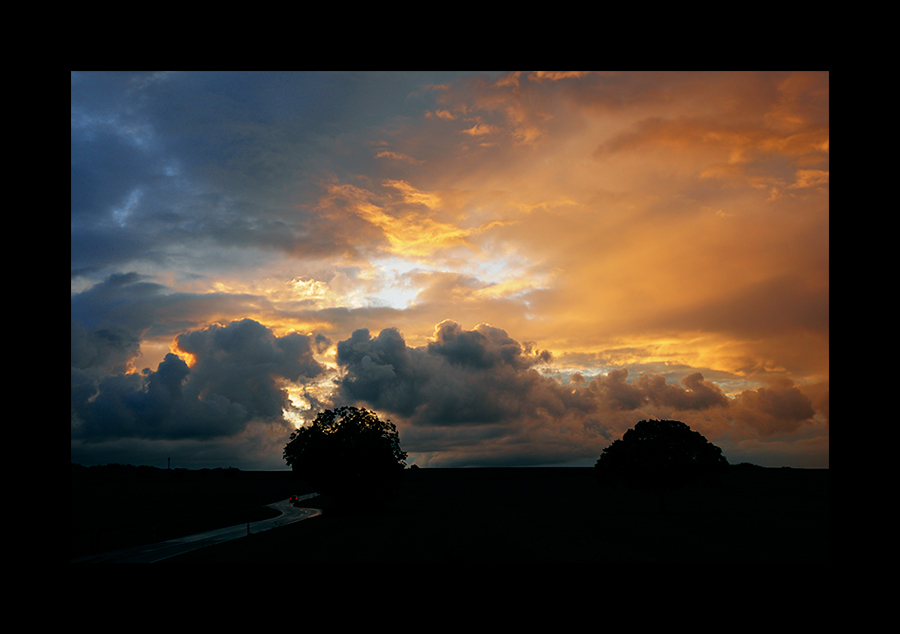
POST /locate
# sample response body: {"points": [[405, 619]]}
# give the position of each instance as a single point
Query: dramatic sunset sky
{"points": [[515, 267]]}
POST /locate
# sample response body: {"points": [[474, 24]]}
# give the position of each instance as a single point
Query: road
{"points": [[163, 550]]}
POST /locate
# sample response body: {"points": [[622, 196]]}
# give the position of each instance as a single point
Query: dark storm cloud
{"points": [[613, 390], [778, 408], [133, 304], [696, 394], [485, 347], [483, 376], [237, 377], [167, 163], [246, 348], [107, 349], [478, 395], [119, 173], [105, 169], [156, 166], [464, 377], [125, 300]]}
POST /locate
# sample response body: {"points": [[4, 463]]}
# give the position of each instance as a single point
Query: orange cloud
{"points": [[397, 156], [479, 129]]}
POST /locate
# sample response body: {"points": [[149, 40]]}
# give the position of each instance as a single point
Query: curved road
{"points": [[163, 550]]}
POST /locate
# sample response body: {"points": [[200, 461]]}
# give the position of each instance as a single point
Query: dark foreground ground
{"points": [[558, 515], [119, 506]]}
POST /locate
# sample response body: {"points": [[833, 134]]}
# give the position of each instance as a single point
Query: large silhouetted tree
{"points": [[349, 453], [661, 456]]}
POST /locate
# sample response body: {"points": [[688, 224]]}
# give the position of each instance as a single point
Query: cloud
{"points": [[460, 378], [712, 148], [663, 234], [112, 170], [237, 375], [397, 156], [694, 393], [697, 393], [556, 75], [810, 178], [166, 166], [146, 309], [466, 391], [108, 350], [485, 347], [482, 389], [407, 226], [780, 408]]}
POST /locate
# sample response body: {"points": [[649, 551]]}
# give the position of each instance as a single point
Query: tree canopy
{"points": [[661, 456], [348, 452]]}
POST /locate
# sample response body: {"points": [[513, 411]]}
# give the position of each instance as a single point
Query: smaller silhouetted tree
{"points": [[661, 456], [349, 453]]}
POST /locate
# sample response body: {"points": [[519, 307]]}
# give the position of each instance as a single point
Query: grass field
{"points": [[558, 515]]}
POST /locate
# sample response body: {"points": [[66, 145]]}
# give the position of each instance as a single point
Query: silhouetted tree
{"points": [[661, 456], [348, 452]]}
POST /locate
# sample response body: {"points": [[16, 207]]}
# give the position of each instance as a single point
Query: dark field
{"points": [[557, 515], [120, 506]]}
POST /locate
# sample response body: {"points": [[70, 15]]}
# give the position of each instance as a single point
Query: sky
{"points": [[514, 267]]}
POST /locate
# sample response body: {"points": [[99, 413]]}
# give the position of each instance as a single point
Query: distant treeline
{"points": [[146, 470], [750, 465]]}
